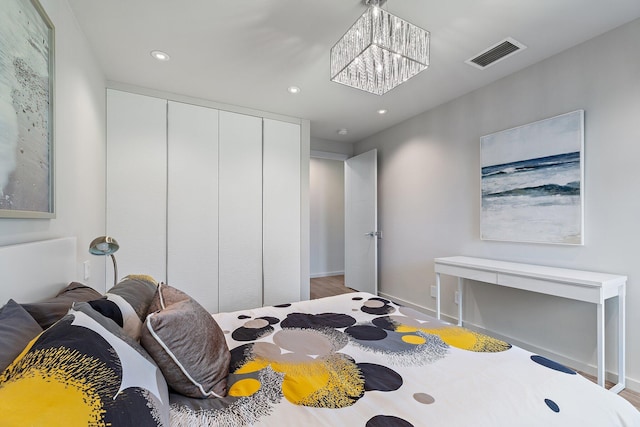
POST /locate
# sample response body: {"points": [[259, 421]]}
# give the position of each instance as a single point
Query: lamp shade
{"points": [[103, 245], [379, 52]]}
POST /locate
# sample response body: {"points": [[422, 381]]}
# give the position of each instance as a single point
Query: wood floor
{"points": [[328, 286], [334, 285]]}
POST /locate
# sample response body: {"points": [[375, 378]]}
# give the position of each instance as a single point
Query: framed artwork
{"points": [[533, 182], [26, 111]]}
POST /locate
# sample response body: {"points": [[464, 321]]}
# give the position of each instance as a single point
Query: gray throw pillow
{"points": [[187, 344], [138, 290], [49, 311], [133, 295], [17, 329]]}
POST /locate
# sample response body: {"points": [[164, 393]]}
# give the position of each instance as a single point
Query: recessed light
{"points": [[382, 111], [293, 89], [160, 55], [342, 131]]}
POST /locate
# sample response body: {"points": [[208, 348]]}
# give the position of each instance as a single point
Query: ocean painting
{"points": [[26, 181], [532, 182]]}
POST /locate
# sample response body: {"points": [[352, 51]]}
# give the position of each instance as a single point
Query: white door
{"points": [[192, 202], [361, 222], [137, 183], [280, 212], [240, 212]]}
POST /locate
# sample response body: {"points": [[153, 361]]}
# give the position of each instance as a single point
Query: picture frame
{"points": [[27, 80], [532, 182]]}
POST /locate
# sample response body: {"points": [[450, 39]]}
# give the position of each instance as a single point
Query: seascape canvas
{"points": [[532, 182], [26, 126]]}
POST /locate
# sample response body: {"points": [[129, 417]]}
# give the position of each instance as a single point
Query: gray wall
{"points": [[326, 193], [429, 197], [326, 146], [79, 149]]}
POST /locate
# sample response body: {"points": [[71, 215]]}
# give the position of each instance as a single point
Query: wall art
{"points": [[533, 182], [26, 111]]}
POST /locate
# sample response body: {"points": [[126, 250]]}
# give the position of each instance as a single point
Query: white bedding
{"points": [[359, 360]]}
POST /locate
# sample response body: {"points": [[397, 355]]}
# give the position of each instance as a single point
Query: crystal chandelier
{"points": [[379, 51]]}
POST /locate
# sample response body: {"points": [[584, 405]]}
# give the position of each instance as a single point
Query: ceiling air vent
{"points": [[495, 53]]}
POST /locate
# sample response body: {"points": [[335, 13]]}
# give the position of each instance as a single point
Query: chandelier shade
{"points": [[379, 52]]}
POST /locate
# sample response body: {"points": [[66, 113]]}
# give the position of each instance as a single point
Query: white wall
{"points": [[326, 146], [79, 148], [429, 197], [326, 192]]}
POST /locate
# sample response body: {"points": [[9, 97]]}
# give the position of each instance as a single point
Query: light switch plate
{"points": [[87, 269]]}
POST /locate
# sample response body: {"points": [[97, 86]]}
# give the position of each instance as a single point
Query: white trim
{"points": [[420, 308], [125, 87], [328, 155], [305, 215], [326, 274]]}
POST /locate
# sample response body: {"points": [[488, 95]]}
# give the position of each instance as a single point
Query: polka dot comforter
{"points": [[361, 360]]}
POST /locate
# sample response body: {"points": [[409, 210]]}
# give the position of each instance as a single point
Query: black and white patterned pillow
{"points": [[84, 371]]}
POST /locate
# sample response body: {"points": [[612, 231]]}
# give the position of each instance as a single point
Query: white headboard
{"points": [[34, 271]]}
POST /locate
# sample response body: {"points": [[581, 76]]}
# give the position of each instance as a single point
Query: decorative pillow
{"points": [[83, 371], [108, 309], [49, 311], [17, 328], [187, 344], [132, 295]]}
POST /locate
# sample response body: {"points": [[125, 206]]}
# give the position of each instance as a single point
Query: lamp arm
{"points": [[115, 270]]}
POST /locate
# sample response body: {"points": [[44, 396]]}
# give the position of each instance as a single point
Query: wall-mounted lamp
{"points": [[105, 245]]}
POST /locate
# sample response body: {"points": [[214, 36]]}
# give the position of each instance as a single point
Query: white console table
{"points": [[573, 284]]}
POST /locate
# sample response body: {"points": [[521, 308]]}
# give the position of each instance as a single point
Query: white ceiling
{"points": [[247, 52]]}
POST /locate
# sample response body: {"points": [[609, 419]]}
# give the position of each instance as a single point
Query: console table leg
{"points": [[621, 338], [438, 295], [600, 340], [460, 301]]}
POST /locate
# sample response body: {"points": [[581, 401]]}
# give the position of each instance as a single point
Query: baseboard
{"points": [[631, 384], [327, 274], [400, 301]]}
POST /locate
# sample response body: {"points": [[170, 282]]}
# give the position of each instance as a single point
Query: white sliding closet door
{"points": [[192, 196], [240, 212], [136, 183], [281, 212]]}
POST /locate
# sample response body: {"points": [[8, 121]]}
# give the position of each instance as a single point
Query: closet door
{"points": [[281, 212], [240, 212], [137, 183], [192, 202]]}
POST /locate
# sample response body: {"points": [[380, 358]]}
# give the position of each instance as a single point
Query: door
{"points": [[137, 183], [240, 212], [281, 212], [361, 222], [192, 202]]}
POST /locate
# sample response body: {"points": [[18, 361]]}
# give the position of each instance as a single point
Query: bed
{"points": [[353, 360]]}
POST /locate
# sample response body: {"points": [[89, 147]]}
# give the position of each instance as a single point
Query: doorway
{"points": [[339, 189], [326, 193]]}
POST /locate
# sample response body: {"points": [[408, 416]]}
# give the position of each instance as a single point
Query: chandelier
{"points": [[379, 51]]}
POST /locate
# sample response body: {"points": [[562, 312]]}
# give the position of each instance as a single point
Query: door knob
{"points": [[374, 233]]}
